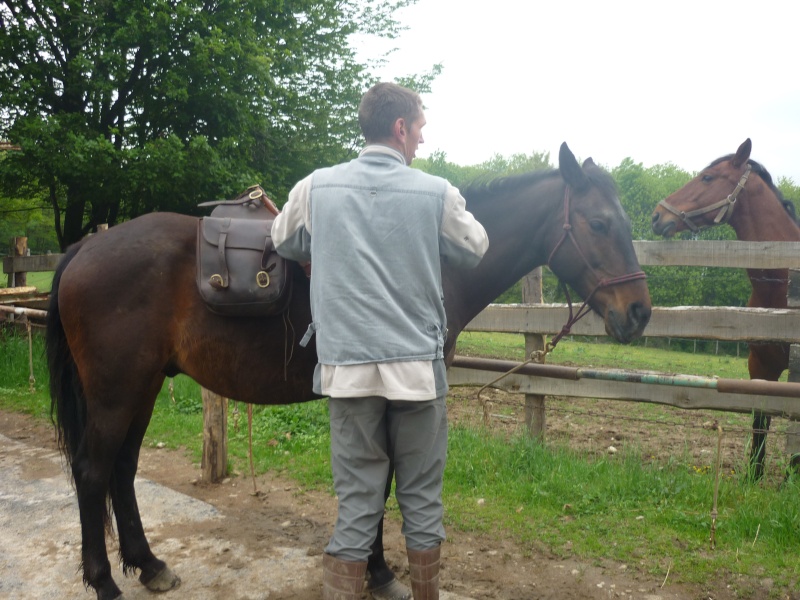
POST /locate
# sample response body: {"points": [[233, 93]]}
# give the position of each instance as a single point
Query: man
{"points": [[376, 232]]}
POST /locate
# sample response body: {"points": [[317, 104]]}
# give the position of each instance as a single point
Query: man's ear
{"points": [[400, 129]]}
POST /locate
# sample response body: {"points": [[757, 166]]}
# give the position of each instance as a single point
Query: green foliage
{"points": [[640, 190], [141, 106], [16, 357], [496, 166]]}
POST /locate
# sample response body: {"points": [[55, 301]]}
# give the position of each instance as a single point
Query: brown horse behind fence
{"points": [[125, 313], [739, 191]]}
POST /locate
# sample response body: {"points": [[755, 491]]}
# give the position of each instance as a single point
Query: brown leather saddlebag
{"points": [[238, 271]]}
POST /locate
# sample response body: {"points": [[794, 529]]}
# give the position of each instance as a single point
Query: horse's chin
{"points": [[623, 335], [666, 230]]}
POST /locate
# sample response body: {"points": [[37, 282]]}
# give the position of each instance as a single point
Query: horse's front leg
{"points": [[766, 361]]}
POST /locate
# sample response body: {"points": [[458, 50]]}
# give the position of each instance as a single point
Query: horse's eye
{"points": [[598, 226], [707, 178]]}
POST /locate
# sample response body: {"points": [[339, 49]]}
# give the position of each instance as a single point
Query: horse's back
{"points": [[129, 284], [129, 302], [150, 244]]}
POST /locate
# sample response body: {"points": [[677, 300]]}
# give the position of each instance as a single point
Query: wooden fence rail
{"points": [[725, 253], [694, 322]]}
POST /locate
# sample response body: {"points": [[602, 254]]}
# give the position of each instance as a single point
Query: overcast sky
{"points": [[682, 82]]}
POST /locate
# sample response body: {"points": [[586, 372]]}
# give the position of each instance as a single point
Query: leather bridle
{"points": [[602, 283], [540, 355], [725, 206]]}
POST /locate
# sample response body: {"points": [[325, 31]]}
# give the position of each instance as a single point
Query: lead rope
{"points": [[250, 447], [539, 356], [31, 378], [713, 536]]}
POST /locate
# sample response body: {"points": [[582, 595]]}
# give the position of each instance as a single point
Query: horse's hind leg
{"points": [[135, 551], [758, 452], [91, 469]]}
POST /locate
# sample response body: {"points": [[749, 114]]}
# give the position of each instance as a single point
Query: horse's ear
{"points": [[743, 153], [588, 163], [570, 169]]}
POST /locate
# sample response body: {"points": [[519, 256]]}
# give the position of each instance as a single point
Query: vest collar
{"points": [[384, 150]]}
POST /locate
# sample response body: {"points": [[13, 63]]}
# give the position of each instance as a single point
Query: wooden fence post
{"points": [[793, 429], [19, 247], [215, 436], [534, 403]]}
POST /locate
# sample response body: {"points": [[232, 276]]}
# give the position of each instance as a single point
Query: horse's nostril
{"points": [[640, 313], [655, 217]]}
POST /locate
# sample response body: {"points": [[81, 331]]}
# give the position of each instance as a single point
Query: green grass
{"points": [[651, 515], [621, 509], [589, 354], [41, 281]]}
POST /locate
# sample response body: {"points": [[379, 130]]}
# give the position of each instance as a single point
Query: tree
{"points": [[127, 106]]}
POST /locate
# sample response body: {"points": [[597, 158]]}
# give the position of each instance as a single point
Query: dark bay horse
{"points": [[739, 191], [125, 313]]}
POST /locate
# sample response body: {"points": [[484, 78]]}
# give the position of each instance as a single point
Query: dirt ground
{"points": [[243, 546]]}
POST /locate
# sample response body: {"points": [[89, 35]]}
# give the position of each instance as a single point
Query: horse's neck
{"points": [[517, 227], [760, 217]]}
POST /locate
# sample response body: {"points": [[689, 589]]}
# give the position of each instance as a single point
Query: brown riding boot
{"points": [[342, 579], [424, 568]]}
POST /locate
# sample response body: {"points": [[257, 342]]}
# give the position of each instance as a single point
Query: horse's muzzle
{"points": [[662, 225], [626, 327]]}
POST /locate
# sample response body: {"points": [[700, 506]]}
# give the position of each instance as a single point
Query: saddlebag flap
{"points": [[238, 271]]}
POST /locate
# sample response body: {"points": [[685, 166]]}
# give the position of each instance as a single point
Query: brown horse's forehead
{"points": [[602, 203], [605, 206]]}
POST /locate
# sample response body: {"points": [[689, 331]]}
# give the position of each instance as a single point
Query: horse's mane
{"points": [[759, 170], [483, 188]]}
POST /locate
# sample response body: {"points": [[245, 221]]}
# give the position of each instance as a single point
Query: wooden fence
{"points": [[536, 320], [694, 322]]}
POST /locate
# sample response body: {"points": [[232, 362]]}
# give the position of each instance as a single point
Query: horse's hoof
{"points": [[394, 590], [165, 581]]}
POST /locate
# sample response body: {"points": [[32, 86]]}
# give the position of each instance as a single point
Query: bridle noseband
{"points": [[602, 283], [725, 206]]}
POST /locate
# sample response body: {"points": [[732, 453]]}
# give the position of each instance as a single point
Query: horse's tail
{"points": [[67, 402]]}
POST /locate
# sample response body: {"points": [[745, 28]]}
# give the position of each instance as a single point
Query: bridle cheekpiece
{"points": [[602, 283]]}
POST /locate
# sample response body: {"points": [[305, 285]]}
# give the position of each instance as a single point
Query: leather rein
{"points": [[725, 206], [602, 283]]}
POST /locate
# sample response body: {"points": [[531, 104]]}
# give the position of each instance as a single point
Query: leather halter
{"points": [[725, 206], [602, 283]]}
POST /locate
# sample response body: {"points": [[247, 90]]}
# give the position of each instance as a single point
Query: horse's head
{"points": [[594, 252], [708, 199]]}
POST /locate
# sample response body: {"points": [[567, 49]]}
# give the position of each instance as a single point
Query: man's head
{"points": [[392, 115]]}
